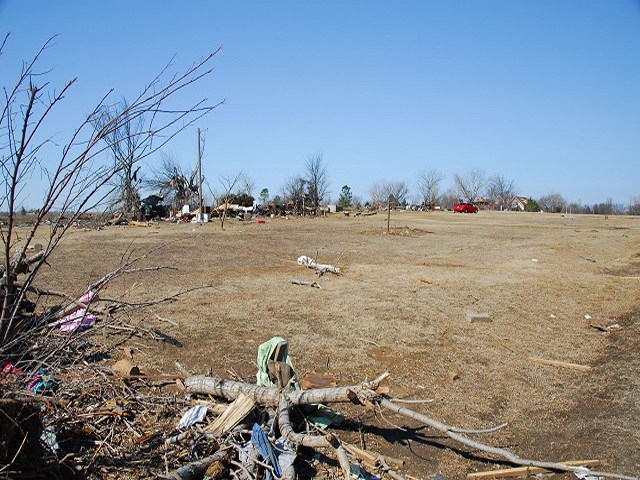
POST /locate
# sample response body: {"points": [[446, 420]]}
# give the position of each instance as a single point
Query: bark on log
{"points": [[328, 441], [195, 470], [270, 396]]}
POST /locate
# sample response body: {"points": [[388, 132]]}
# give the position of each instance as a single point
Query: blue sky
{"points": [[546, 93]]}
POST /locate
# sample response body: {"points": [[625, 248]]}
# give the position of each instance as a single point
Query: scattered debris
{"points": [[475, 317], [534, 260], [320, 268], [305, 282], [426, 280], [42, 381], [587, 316], [607, 328], [558, 363], [528, 471], [587, 259]]}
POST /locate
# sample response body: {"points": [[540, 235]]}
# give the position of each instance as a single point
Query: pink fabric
{"points": [[87, 297], [80, 317], [77, 319]]}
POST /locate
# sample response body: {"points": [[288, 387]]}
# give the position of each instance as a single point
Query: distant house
{"points": [[481, 202], [519, 203]]}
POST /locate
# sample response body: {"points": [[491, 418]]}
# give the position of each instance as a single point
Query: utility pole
{"points": [[201, 218], [389, 213]]}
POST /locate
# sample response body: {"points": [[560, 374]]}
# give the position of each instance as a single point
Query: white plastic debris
{"points": [[583, 474], [192, 416], [587, 316], [321, 268]]}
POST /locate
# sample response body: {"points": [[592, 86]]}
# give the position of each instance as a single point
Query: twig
{"points": [[162, 319]]}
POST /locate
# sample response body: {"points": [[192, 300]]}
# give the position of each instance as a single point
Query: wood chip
{"points": [[125, 367]]}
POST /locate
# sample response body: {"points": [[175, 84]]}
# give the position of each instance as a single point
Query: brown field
{"points": [[537, 275]]}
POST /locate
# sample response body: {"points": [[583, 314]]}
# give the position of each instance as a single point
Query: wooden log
{"points": [[512, 472], [558, 363], [305, 282], [269, 396]]}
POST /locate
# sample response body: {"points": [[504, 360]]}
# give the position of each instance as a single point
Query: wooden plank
{"points": [[558, 363], [512, 472], [232, 416]]}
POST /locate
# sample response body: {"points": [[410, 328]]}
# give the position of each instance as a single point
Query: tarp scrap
{"points": [[265, 352], [261, 441]]}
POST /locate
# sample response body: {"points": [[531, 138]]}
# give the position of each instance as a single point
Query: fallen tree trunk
{"points": [[270, 396]]}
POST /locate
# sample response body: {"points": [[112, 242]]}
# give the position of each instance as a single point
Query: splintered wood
{"points": [[232, 416]]}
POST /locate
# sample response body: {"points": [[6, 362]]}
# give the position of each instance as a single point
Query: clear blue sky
{"points": [[546, 93]]}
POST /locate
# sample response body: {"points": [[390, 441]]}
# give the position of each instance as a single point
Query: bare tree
{"points": [[378, 194], [228, 183], [634, 206], [294, 191], [80, 178], [552, 202], [470, 184], [429, 186], [126, 145], [317, 180], [449, 198], [175, 184], [381, 192], [501, 191], [247, 185], [608, 207]]}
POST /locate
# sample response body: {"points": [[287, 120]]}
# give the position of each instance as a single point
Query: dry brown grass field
{"points": [[537, 275]]}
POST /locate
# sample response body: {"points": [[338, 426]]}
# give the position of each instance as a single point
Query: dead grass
{"points": [[527, 270]]}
